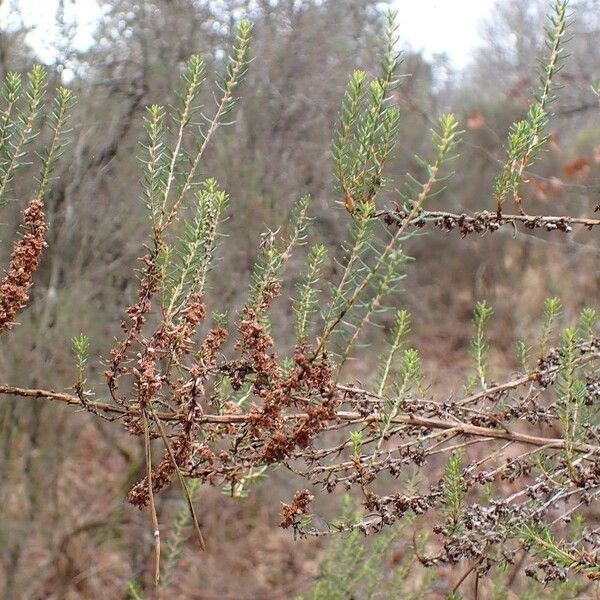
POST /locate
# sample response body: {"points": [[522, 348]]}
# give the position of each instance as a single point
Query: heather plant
{"points": [[20, 124], [500, 467]]}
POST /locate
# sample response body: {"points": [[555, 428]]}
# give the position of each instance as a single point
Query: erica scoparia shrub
{"points": [[226, 408]]}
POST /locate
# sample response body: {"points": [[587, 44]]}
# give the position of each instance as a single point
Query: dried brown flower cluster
{"points": [[24, 261]]}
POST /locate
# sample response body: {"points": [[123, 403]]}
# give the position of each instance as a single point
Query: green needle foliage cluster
{"points": [[526, 138], [24, 117]]}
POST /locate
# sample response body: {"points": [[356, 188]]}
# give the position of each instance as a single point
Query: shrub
{"points": [[227, 403]]}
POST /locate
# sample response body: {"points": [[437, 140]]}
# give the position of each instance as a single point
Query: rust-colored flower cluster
{"points": [[24, 261], [162, 474], [299, 506]]}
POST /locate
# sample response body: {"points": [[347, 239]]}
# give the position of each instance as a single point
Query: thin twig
{"points": [[153, 516]]}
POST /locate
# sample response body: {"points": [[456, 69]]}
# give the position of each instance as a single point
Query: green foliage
{"points": [[341, 150], [306, 303], [21, 122], [356, 439], [170, 174], [367, 128], [522, 351], [444, 140], [361, 275], [385, 283], [586, 328], [163, 164], [552, 313], [571, 393], [80, 346], [479, 344], [63, 103], [454, 492], [394, 343], [196, 251], [179, 534], [354, 261], [274, 254], [21, 130], [525, 138], [236, 69], [545, 546], [409, 377], [155, 162], [169, 169], [134, 591]]}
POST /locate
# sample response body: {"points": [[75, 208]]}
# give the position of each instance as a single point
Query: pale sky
{"points": [[436, 26], [433, 26]]}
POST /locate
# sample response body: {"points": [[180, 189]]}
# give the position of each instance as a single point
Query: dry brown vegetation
{"points": [[247, 357]]}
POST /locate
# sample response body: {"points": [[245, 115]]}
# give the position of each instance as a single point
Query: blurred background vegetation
{"points": [[65, 531]]}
